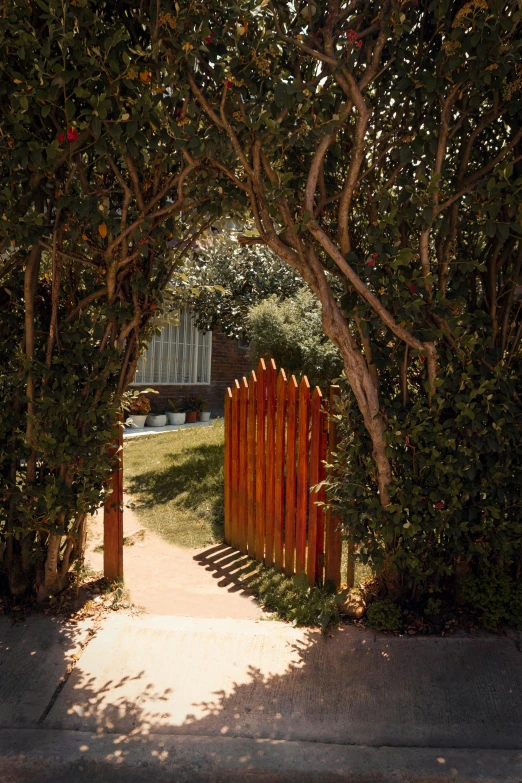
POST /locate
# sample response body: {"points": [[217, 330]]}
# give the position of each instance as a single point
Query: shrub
{"points": [[290, 332], [495, 594], [433, 607], [384, 616]]}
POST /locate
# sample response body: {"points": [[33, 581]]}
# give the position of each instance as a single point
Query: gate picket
{"points": [[251, 465], [279, 489], [270, 461], [260, 462], [234, 484], [243, 442], [302, 476], [313, 511], [291, 478]]}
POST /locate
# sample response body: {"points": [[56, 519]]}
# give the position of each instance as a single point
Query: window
{"points": [[181, 354]]}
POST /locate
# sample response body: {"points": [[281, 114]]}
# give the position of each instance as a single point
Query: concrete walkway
{"points": [[137, 432], [193, 699]]}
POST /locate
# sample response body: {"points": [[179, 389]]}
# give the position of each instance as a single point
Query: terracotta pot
{"points": [[191, 417]]}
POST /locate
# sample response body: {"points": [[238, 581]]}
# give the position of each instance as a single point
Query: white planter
{"points": [[156, 420], [205, 415], [176, 418], [135, 421]]}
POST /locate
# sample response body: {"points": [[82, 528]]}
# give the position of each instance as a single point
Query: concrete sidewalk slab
{"points": [[34, 658], [266, 680], [42, 756]]}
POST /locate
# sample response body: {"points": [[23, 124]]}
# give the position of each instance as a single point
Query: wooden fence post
{"points": [[113, 513], [227, 466], [313, 512], [333, 542], [291, 463], [251, 464], [302, 476], [260, 463], [279, 489]]}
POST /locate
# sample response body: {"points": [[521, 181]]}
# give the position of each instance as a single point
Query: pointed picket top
{"points": [[317, 395], [304, 385], [281, 377], [252, 377], [261, 367]]}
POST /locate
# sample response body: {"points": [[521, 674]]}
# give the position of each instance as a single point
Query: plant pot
{"points": [[156, 420], [135, 421], [205, 415], [176, 418], [191, 417]]}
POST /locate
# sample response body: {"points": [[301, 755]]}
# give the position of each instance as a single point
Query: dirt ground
{"points": [[164, 579]]}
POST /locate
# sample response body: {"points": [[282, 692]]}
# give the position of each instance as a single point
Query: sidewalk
{"points": [[195, 699]]}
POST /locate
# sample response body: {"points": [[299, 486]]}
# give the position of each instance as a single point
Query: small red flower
{"points": [[422, 358], [61, 137], [375, 255], [358, 43], [72, 134], [413, 288], [352, 36], [209, 39], [371, 262], [153, 306], [229, 85], [143, 241], [439, 505]]}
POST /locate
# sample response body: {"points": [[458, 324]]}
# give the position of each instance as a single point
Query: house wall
{"points": [[229, 361]]}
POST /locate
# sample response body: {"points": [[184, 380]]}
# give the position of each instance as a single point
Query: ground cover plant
{"points": [[379, 145]]}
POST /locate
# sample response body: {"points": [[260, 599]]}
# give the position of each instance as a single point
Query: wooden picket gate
{"points": [[277, 438]]}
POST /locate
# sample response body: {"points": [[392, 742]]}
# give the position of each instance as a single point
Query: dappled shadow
{"points": [[216, 701], [229, 566], [191, 478]]}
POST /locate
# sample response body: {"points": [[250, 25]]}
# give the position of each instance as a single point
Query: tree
{"points": [[220, 281], [290, 332], [95, 183], [381, 142]]}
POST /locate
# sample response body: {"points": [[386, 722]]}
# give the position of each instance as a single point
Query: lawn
{"points": [[176, 481]]}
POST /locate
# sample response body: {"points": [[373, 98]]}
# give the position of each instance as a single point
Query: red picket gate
{"points": [[277, 437]]}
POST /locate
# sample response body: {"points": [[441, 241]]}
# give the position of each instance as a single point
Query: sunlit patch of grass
{"points": [[176, 480]]}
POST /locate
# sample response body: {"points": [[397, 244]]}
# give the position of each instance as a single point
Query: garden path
{"points": [[165, 579]]}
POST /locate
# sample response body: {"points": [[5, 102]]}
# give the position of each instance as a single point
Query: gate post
{"points": [[113, 513]]}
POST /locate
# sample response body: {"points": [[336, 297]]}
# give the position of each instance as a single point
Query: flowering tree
{"points": [[95, 185], [381, 142]]}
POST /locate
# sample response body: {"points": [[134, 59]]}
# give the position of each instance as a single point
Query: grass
{"points": [[176, 480]]}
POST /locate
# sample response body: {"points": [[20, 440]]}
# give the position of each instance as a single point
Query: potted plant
{"points": [[203, 414], [138, 410], [177, 414], [157, 418], [192, 406]]}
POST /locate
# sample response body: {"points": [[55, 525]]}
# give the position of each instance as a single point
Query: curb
{"points": [[42, 756]]}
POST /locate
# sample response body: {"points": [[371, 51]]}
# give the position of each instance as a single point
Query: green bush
{"points": [[495, 594], [290, 332], [384, 616]]}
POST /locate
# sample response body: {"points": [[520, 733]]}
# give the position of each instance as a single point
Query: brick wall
{"points": [[229, 361]]}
